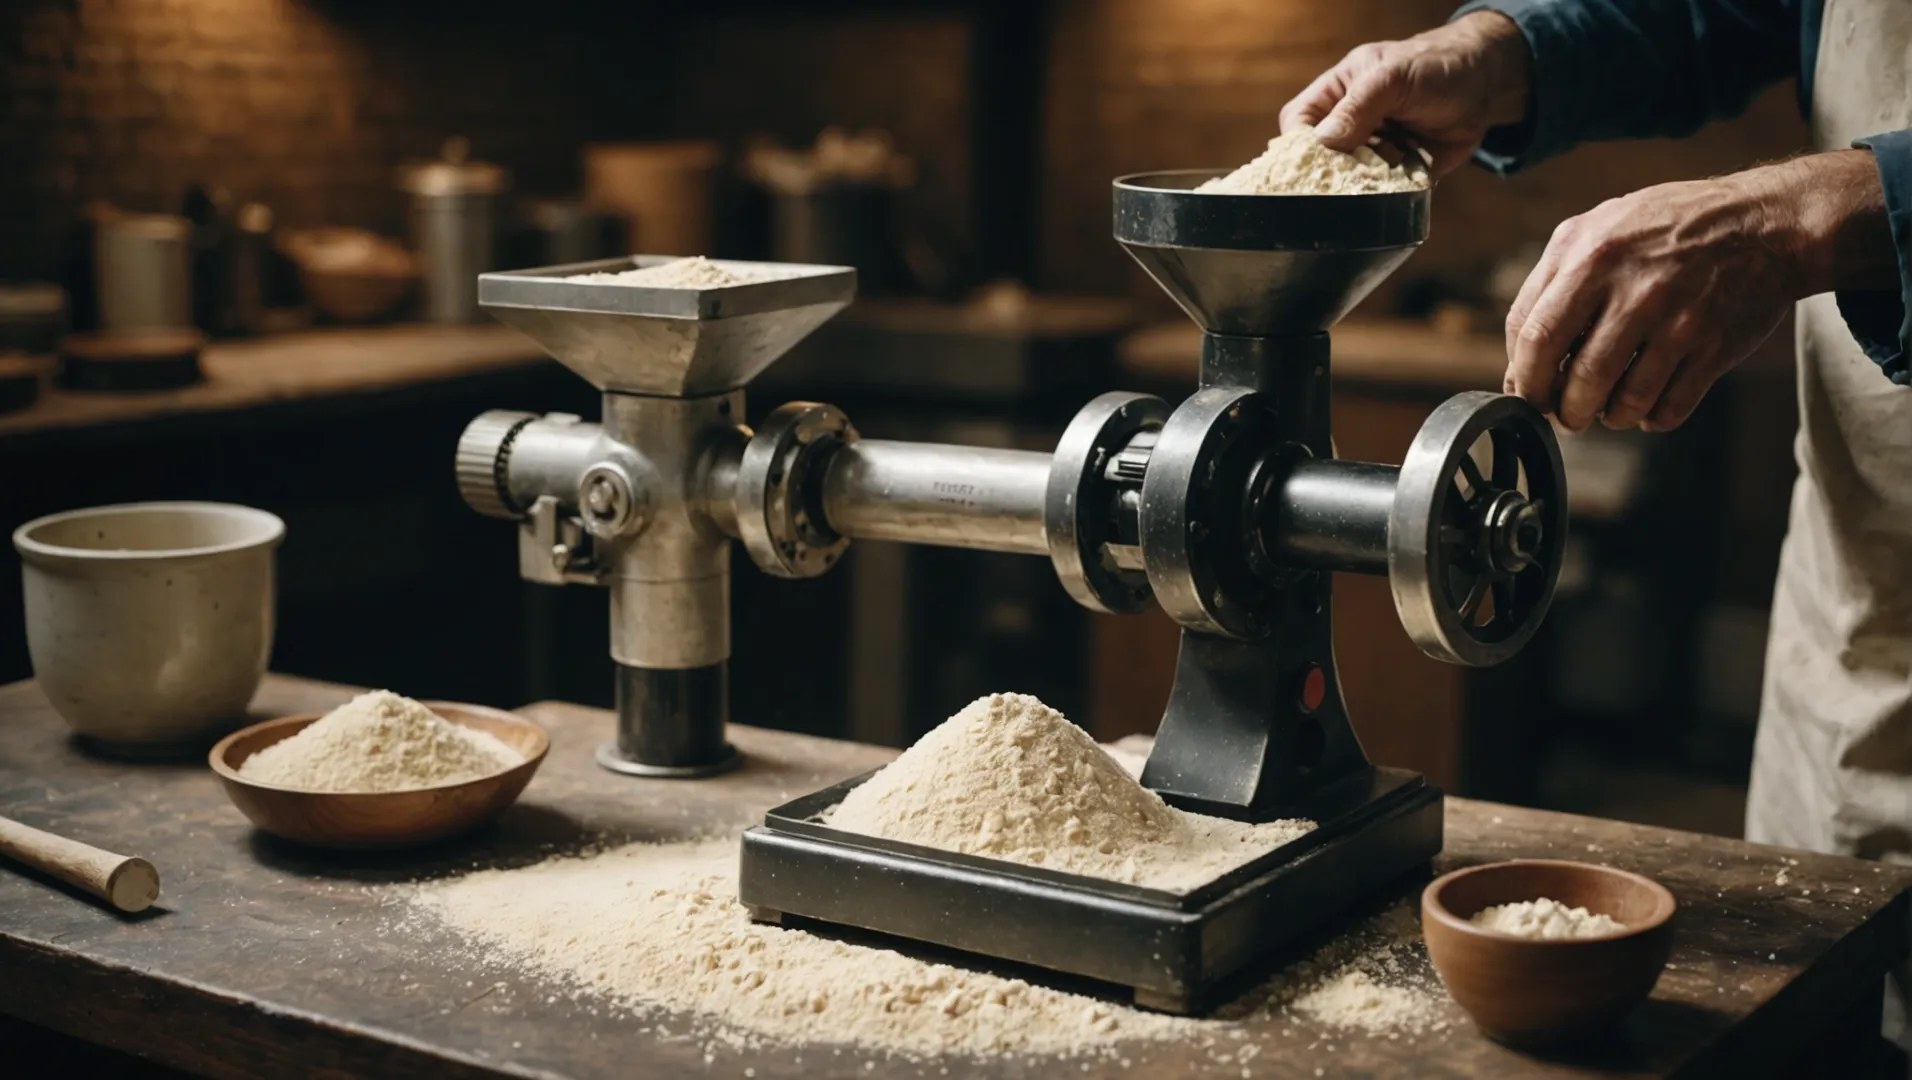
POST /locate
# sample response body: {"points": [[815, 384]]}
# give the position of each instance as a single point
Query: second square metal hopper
{"points": [[667, 342]]}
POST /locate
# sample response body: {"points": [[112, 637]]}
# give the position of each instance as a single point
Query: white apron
{"points": [[1832, 766], [1832, 763]]}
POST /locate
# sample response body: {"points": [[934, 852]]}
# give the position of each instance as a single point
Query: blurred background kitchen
{"points": [[237, 239]]}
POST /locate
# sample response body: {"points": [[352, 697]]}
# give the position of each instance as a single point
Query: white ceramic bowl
{"points": [[150, 624]]}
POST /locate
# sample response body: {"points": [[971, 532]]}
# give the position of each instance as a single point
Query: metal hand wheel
{"points": [[1477, 529]]}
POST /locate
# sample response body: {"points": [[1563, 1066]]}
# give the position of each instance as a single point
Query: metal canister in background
{"points": [[842, 224], [143, 268], [231, 246], [559, 231], [454, 228], [839, 203], [664, 189]]}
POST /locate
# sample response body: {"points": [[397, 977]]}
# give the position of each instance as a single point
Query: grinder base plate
{"points": [[1172, 950]]}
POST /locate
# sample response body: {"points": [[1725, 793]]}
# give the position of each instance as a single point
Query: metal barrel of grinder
{"points": [[950, 496]]}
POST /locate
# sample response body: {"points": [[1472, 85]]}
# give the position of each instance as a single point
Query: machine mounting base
{"points": [[610, 757], [1170, 952]]}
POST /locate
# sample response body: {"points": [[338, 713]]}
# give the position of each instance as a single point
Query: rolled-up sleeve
{"points": [[1621, 69], [1878, 319]]}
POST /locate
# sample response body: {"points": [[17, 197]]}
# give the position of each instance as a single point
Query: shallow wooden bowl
{"points": [[1537, 994], [379, 819]]}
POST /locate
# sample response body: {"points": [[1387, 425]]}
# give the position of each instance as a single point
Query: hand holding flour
{"points": [[1445, 88]]}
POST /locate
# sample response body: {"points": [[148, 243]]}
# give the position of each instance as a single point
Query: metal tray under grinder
{"points": [[1171, 949]]}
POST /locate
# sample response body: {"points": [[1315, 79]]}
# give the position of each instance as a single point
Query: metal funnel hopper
{"points": [[1264, 265], [667, 342]]}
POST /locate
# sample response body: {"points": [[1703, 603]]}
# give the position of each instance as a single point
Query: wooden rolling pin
{"points": [[127, 882]]}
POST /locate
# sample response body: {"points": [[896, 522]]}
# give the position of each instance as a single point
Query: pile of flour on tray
{"points": [[380, 742], [1296, 163], [696, 272], [1546, 920], [1010, 778]]}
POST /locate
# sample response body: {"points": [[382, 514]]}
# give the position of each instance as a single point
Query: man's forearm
{"points": [[1508, 61], [1828, 213]]}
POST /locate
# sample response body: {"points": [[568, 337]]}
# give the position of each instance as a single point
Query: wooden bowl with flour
{"points": [[1537, 993], [379, 819]]}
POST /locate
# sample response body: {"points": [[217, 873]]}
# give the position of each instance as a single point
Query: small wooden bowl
{"points": [[385, 819], [1537, 994]]}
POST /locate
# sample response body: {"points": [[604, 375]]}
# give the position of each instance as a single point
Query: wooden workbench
{"points": [[265, 959]]}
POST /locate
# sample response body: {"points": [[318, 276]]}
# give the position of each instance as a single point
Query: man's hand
{"points": [[1445, 88], [1658, 294]]}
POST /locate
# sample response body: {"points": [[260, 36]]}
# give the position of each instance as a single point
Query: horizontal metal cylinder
{"points": [[548, 457], [931, 493], [1331, 515]]}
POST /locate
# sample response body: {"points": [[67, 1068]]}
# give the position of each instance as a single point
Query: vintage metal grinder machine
{"points": [[1229, 510]]}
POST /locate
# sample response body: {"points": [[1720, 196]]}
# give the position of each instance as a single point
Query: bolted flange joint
{"points": [[779, 491], [1101, 459]]}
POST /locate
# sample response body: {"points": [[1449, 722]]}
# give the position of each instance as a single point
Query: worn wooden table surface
{"points": [[265, 959], [295, 367]]}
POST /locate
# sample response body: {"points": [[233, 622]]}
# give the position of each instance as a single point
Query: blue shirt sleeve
{"points": [[1615, 69], [1878, 319], [1624, 69]]}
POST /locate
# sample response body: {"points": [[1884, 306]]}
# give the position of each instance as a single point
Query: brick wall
{"points": [[309, 105], [306, 106]]}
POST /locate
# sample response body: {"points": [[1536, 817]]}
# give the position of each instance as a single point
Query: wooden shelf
{"points": [[305, 366]]}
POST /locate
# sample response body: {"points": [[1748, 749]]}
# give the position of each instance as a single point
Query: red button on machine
{"points": [[1314, 688]]}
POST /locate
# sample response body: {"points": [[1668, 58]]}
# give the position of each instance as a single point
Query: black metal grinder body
{"points": [[1230, 511]]}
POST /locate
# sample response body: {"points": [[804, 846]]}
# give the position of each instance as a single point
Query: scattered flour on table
{"points": [[1546, 920], [1297, 163], [1374, 979], [1010, 778], [660, 925], [380, 742], [657, 929], [1353, 998], [696, 272]]}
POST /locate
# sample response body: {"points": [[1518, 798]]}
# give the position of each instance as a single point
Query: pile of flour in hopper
{"points": [[695, 272], [657, 929], [1298, 163]]}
